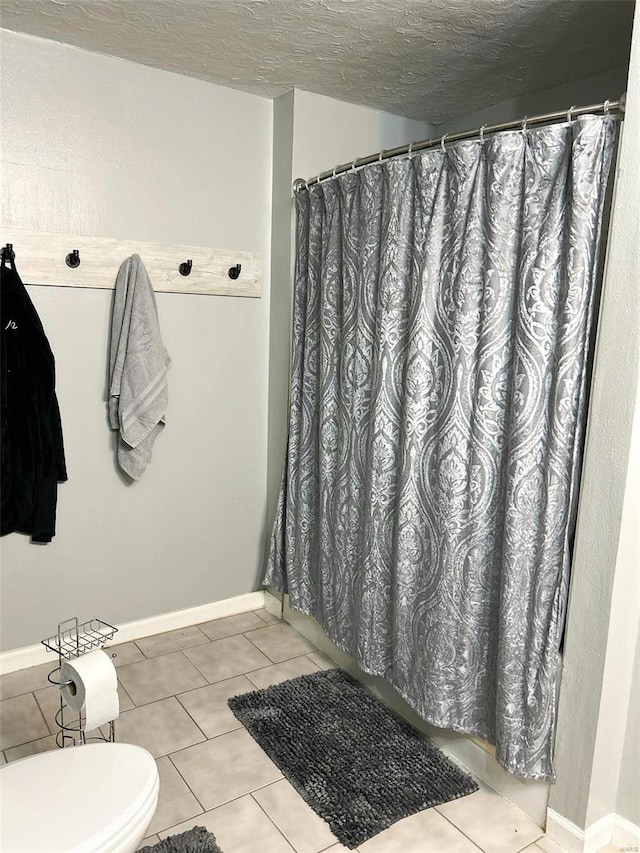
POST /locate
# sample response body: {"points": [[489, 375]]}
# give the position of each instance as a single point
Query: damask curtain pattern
{"points": [[442, 315]]}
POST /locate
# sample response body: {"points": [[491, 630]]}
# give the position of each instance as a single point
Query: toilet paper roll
{"points": [[92, 688]]}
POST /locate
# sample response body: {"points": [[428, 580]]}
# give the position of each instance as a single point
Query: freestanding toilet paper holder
{"points": [[72, 640]]}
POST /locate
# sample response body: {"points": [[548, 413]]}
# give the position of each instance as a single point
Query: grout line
{"points": [[175, 696], [126, 692], [266, 654], [191, 817], [200, 631], [168, 755], [197, 668], [219, 805], [189, 788], [268, 624], [262, 652], [457, 828], [286, 660], [144, 657], [269, 816], [44, 719], [27, 742]]}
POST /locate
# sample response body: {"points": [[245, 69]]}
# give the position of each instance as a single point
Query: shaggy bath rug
{"points": [[196, 840], [357, 764]]}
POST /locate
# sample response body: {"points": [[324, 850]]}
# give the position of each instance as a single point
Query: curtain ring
{"points": [[306, 185], [569, 111], [442, 139], [606, 107], [482, 133], [524, 124], [380, 156], [410, 151], [334, 172], [353, 166]]}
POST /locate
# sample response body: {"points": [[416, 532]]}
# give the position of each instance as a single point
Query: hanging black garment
{"points": [[32, 452]]}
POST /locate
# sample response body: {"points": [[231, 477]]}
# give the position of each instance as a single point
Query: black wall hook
{"points": [[7, 253], [234, 272], [185, 268], [73, 259]]}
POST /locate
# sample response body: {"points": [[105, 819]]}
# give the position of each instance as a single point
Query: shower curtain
{"points": [[442, 313]]}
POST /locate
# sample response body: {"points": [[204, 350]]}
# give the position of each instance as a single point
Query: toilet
{"points": [[96, 798]]}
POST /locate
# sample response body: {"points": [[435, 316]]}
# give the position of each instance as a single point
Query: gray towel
{"points": [[138, 364]]}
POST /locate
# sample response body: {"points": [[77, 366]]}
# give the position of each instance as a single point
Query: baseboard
{"points": [[566, 834], [15, 659], [625, 833], [472, 753], [609, 829]]}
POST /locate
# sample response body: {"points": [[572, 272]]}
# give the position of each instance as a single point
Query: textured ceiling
{"points": [[425, 59]]}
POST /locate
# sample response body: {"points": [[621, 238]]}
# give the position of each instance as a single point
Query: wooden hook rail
{"points": [[42, 257]]}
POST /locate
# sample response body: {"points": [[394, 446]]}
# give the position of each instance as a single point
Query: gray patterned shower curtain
{"points": [[442, 314]]}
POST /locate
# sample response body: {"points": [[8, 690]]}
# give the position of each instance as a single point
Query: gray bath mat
{"points": [[358, 765], [196, 840]]}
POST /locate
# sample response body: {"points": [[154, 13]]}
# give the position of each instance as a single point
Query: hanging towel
{"points": [[138, 365], [32, 452]]}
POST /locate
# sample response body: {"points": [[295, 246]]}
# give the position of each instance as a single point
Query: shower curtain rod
{"points": [[547, 118]]}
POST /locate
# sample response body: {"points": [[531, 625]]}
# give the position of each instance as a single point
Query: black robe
{"points": [[32, 451]]}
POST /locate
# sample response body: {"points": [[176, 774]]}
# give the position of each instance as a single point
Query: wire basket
{"points": [[74, 639]]}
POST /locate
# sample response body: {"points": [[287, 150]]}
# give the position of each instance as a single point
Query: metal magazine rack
{"points": [[72, 640]]}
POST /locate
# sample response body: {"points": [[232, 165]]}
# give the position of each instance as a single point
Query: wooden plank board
{"points": [[40, 259]]}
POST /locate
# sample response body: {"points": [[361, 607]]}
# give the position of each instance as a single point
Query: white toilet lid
{"points": [[74, 799]]}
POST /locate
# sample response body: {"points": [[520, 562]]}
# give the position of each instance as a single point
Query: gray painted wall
{"points": [[96, 145]]}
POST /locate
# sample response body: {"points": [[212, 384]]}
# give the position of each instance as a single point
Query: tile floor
{"points": [[173, 693]]}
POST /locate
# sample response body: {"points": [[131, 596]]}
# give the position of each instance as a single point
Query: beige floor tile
{"points": [[424, 832], [239, 827], [172, 641], [25, 680], [161, 727], [20, 721], [280, 642], [340, 848], [278, 672], [149, 841], [306, 831], [174, 811], [225, 658], [32, 748], [126, 702], [218, 629], [224, 768], [171, 782], [547, 845], [125, 653], [268, 617], [150, 680], [492, 822], [208, 705], [321, 661]]}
